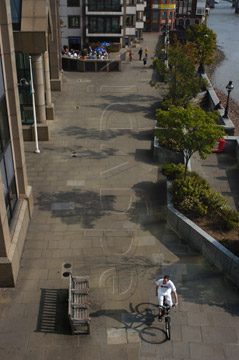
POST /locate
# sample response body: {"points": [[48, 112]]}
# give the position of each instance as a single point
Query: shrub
{"points": [[229, 218], [173, 171], [195, 196], [189, 195]]}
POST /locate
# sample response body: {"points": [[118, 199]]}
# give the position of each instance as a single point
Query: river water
{"points": [[225, 23]]}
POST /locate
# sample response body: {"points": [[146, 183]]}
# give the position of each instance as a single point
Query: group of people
{"points": [[97, 54], [140, 53], [91, 54]]}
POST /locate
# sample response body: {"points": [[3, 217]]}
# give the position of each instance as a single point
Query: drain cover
{"points": [[66, 274], [67, 266]]}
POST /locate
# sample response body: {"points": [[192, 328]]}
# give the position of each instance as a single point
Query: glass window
{"points": [[6, 159], [104, 5], [2, 91], [155, 15], [164, 15], [129, 20], [74, 43], [71, 3], [4, 130], [104, 24], [24, 87], [16, 7], [73, 21]]}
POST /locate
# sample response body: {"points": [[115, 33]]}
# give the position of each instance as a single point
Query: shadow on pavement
{"points": [[139, 319], [53, 312]]}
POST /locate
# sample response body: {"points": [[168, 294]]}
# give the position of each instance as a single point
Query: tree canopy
{"points": [[204, 43], [180, 75], [188, 130]]}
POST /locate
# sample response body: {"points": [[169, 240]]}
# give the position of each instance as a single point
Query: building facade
{"points": [[160, 14], [72, 23], [16, 203], [91, 21], [190, 12], [36, 34]]}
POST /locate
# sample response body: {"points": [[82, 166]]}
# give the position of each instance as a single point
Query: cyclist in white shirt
{"points": [[164, 288]]}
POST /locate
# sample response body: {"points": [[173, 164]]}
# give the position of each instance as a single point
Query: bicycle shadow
{"points": [[139, 319]]}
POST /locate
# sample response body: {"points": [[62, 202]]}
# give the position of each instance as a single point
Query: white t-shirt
{"points": [[165, 289]]}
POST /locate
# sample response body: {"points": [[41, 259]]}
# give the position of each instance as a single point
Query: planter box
{"points": [[198, 239], [165, 156]]}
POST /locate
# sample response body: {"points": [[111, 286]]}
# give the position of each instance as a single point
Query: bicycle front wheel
{"points": [[168, 327]]}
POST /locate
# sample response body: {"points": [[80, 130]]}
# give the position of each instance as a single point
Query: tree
{"points": [[204, 43], [188, 130], [180, 75]]}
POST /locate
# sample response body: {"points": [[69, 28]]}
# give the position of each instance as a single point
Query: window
{"points": [[16, 7], [73, 22], [6, 160], [164, 1], [104, 5], [164, 15], [74, 43], [71, 3], [170, 15], [104, 24], [24, 88], [155, 15], [130, 20]]}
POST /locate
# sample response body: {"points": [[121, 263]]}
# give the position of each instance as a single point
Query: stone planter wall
{"points": [[198, 239], [165, 156]]}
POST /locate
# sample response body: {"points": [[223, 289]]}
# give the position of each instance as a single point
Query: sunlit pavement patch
{"points": [[132, 336], [158, 258], [147, 241], [116, 336], [75, 182]]}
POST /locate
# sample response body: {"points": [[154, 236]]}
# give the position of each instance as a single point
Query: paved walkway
{"points": [[100, 211]]}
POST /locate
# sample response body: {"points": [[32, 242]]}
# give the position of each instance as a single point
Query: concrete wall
{"points": [[210, 248], [91, 65], [165, 156]]}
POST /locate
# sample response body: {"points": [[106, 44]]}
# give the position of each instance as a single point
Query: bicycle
{"points": [[165, 313]]}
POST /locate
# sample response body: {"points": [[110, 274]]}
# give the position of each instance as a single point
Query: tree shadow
{"points": [[75, 207]]}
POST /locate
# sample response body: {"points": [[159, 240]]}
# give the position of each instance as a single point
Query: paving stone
{"points": [[219, 335], [231, 351], [191, 333], [206, 352], [181, 350], [116, 336]]}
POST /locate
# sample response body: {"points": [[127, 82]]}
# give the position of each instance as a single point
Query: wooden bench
{"points": [[78, 307]]}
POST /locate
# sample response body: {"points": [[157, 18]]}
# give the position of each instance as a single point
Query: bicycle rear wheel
{"points": [[168, 327]]}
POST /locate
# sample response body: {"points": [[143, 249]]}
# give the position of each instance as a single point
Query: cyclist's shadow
{"points": [[139, 319]]}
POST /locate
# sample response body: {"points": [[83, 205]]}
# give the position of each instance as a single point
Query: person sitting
{"points": [[218, 106]]}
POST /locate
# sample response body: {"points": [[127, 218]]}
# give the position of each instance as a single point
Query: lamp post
{"points": [[167, 43], [229, 88], [34, 107]]}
